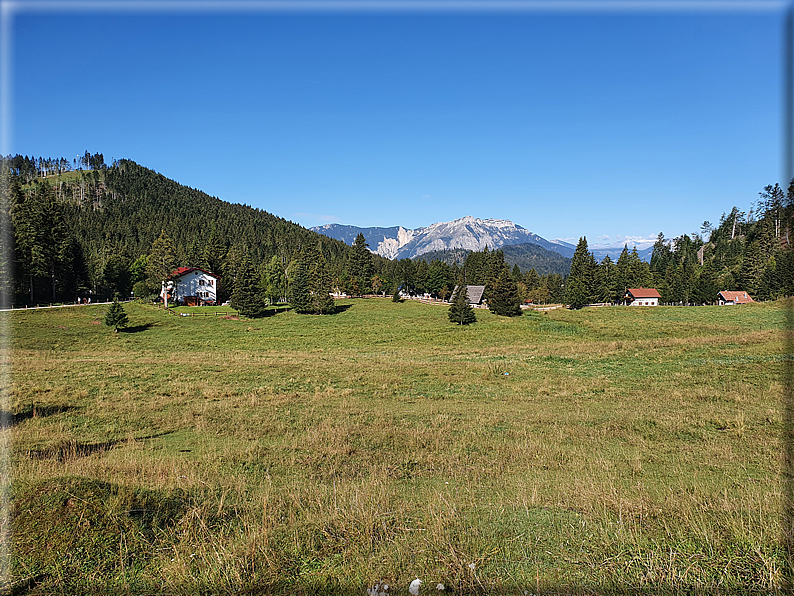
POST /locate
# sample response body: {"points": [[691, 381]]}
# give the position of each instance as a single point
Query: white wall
{"points": [[196, 283], [645, 302]]}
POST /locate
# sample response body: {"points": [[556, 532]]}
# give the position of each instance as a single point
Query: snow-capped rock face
{"points": [[467, 232], [389, 247]]}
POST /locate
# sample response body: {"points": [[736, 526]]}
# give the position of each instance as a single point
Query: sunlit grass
{"points": [[603, 449]]}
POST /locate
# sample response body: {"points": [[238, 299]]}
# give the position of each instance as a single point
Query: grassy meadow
{"points": [[607, 450]]}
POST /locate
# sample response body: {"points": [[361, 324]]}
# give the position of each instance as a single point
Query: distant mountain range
{"points": [[643, 250], [467, 233]]}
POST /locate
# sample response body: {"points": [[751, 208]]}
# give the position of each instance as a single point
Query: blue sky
{"points": [[610, 124]]}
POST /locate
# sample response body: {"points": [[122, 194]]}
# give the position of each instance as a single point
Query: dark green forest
{"points": [[84, 228], [526, 256]]}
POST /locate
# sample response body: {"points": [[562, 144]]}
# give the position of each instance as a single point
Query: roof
{"points": [[643, 293], [737, 297], [475, 293], [180, 271]]}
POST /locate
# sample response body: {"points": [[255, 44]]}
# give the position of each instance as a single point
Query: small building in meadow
{"points": [[191, 286], [475, 294], [642, 297], [730, 297]]}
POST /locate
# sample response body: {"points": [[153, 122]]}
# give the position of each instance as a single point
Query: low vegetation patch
{"points": [[86, 533]]}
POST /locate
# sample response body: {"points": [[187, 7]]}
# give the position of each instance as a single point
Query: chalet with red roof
{"points": [[642, 297], [728, 297], [190, 286]]}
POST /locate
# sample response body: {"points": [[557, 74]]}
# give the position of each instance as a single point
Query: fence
{"points": [[40, 305], [215, 313]]}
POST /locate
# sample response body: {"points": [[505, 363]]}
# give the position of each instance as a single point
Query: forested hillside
{"points": [[745, 251], [79, 231]]}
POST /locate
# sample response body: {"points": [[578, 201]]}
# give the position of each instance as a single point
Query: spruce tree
{"points": [[606, 289], [299, 290], [580, 282], [516, 273], [504, 300], [246, 297], [311, 285], [623, 272], [115, 316], [162, 258], [214, 251], [360, 266], [275, 281], [320, 283], [705, 290], [461, 312], [116, 274]]}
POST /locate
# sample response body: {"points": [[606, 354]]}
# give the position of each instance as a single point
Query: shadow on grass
{"points": [[342, 307], [70, 450], [8, 419], [136, 328]]}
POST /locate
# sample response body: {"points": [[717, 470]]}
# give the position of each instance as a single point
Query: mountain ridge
{"points": [[467, 232]]}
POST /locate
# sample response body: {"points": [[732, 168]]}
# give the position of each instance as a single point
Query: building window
{"points": [[209, 282], [201, 282]]}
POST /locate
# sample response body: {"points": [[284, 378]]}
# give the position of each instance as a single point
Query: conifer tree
{"points": [[274, 280], [246, 297], [162, 258], [516, 273], [320, 283], [311, 285], [461, 312], [115, 316], [660, 256], [504, 300], [606, 287], [532, 279], [360, 266], [770, 286], [299, 288], [705, 290], [580, 281], [6, 242], [214, 251], [40, 231], [116, 274]]}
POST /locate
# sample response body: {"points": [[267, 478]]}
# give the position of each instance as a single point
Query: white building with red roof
{"points": [[190, 286], [730, 297], [642, 297]]}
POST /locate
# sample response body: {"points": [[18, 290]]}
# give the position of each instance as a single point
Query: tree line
{"points": [[97, 229]]}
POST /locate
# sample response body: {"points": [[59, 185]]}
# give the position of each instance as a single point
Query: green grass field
{"points": [[593, 451]]}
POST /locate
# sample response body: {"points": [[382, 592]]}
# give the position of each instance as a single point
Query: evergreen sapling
{"points": [[115, 316], [461, 312]]}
